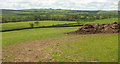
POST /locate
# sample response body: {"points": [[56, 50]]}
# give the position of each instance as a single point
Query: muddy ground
{"points": [[32, 51]]}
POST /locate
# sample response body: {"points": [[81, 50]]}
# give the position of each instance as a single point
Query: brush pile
{"points": [[98, 28]]}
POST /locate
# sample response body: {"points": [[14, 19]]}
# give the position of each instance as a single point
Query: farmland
{"points": [[46, 41], [33, 34], [79, 48], [19, 25], [86, 48], [30, 35]]}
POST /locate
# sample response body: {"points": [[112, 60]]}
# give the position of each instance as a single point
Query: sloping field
{"points": [[86, 48], [103, 21], [51, 44], [18, 25], [71, 48], [14, 37]]}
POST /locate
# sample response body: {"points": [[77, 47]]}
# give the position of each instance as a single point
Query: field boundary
{"points": [[53, 26]]}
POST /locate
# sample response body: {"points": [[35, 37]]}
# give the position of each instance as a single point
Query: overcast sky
{"points": [[60, 4]]}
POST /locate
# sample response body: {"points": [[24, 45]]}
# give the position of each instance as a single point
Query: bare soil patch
{"points": [[32, 51]]}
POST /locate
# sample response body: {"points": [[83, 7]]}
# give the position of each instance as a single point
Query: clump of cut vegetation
{"points": [[98, 28]]}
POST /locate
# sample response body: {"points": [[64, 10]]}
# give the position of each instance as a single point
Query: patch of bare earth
{"points": [[33, 51], [98, 28]]}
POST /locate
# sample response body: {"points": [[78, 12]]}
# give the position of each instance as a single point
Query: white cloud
{"points": [[63, 4]]}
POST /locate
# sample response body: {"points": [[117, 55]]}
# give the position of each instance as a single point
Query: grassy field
{"points": [[104, 21], [87, 48], [39, 33], [18, 25], [14, 37], [84, 48]]}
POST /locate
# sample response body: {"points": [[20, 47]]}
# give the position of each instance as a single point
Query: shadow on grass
{"points": [[53, 26]]}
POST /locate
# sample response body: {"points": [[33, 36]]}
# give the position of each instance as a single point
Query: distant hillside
{"points": [[9, 10], [29, 12], [109, 12], [9, 15]]}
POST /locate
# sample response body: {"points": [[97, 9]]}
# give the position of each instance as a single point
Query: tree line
{"points": [[65, 17]]}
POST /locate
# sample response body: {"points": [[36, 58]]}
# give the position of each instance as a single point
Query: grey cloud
{"points": [[64, 4]]}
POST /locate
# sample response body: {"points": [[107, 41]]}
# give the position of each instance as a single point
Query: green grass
{"points": [[38, 11], [18, 25], [103, 21], [15, 37], [100, 48]]}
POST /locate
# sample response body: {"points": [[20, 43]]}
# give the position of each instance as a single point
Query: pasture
{"points": [[39, 33], [61, 48], [19, 25], [14, 37], [85, 48]]}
